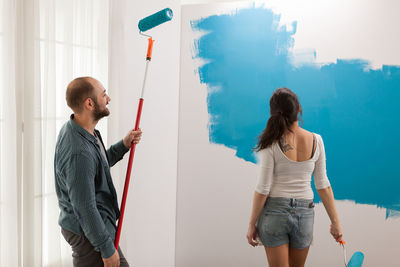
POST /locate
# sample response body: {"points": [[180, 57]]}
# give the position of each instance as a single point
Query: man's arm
{"points": [[116, 152], [80, 178]]}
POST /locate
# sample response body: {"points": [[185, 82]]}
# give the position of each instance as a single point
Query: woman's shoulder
{"points": [[317, 135], [268, 151], [266, 155], [318, 139]]}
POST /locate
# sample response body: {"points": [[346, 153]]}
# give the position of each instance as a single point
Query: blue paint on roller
{"points": [[156, 19], [353, 107], [356, 260]]}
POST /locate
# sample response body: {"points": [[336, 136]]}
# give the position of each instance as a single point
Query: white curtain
{"points": [[44, 44]]}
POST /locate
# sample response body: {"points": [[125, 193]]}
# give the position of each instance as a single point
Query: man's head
{"points": [[87, 96]]}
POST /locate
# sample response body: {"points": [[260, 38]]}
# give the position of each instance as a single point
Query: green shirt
{"points": [[86, 194]]}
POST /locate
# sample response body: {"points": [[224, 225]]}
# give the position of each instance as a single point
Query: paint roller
{"points": [[144, 25], [356, 260]]}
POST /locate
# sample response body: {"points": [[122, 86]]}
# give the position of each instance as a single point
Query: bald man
{"points": [[86, 194]]}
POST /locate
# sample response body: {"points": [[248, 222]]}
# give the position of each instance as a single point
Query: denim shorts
{"points": [[286, 220]]}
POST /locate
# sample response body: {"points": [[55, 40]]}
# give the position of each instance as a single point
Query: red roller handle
{"points": [[128, 176]]}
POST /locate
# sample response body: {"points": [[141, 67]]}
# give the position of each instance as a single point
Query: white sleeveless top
{"points": [[280, 176]]}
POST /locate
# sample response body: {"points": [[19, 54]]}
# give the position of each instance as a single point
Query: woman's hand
{"points": [[336, 231], [252, 235]]}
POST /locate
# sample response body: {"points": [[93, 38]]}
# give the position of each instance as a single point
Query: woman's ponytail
{"points": [[284, 109]]}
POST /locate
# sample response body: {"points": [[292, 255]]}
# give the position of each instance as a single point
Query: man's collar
{"points": [[81, 130]]}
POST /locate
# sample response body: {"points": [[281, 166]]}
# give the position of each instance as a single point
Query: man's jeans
{"points": [[83, 253]]}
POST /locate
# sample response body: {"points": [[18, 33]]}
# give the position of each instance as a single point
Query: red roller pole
{"points": [[133, 146]]}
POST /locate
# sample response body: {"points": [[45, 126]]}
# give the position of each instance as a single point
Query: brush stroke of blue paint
{"points": [[354, 108]]}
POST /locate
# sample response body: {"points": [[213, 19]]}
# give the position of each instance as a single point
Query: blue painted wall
{"points": [[354, 108]]}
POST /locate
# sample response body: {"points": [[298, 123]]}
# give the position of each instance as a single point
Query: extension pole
{"points": [[133, 146]]}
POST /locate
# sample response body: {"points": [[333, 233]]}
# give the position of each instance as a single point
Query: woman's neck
{"points": [[295, 126]]}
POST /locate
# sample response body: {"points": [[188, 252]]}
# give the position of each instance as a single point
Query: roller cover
{"points": [[156, 19], [356, 260]]}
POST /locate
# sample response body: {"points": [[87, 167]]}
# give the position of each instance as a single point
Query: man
{"points": [[86, 194]]}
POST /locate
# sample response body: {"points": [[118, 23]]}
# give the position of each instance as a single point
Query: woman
{"points": [[283, 207]]}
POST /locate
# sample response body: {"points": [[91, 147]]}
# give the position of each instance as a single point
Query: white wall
{"points": [[211, 217], [215, 188], [148, 236]]}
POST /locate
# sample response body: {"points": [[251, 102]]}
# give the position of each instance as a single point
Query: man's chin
{"points": [[101, 115]]}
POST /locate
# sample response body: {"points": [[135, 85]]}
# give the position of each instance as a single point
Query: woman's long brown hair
{"points": [[284, 109]]}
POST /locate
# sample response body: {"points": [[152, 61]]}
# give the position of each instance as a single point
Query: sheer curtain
{"points": [[10, 160], [44, 44]]}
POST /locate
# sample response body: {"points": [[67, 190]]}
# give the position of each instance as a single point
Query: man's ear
{"points": [[89, 104]]}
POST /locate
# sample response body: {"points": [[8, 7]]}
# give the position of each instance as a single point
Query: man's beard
{"points": [[99, 113]]}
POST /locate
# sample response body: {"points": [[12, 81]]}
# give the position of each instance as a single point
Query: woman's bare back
{"points": [[298, 145]]}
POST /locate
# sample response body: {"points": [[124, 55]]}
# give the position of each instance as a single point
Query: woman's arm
{"points": [[328, 200], [265, 177], [324, 189], [258, 204]]}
